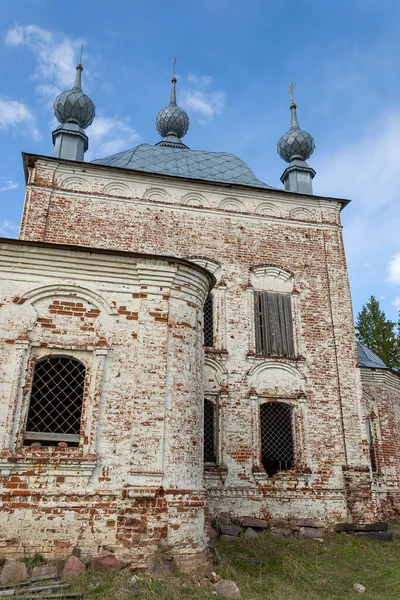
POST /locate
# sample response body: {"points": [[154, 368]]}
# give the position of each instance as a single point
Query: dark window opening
{"points": [[209, 321], [210, 432], [371, 447], [55, 405], [277, 452], [273, 324]]}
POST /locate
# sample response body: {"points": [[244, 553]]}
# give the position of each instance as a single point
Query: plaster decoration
{"points": [[157, 194], [74, 291], [76, 184], [301, 213], [276, 379], [215, 375], [195, 199], [117, 189], [268, 209], [208, 264], [271, 279], [232, 204]]}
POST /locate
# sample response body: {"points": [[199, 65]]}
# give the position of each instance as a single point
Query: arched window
{"points": [[209, 321], [210, 431], [55, 405], [277, 453]]}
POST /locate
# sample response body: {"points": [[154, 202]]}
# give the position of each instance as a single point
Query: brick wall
{"points": [[135, 323], [236, 231]]}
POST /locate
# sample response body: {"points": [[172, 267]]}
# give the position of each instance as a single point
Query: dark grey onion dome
{"points": [[172, 122], [295, 143], [73, 106]]}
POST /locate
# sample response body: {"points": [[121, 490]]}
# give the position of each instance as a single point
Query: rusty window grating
{"points": [[209, 321], [371, 445], [55, 405], [277, 452], [273, 324], [210, 432]]}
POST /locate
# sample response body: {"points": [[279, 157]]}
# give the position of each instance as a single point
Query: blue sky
{"points": [[236, 59]]}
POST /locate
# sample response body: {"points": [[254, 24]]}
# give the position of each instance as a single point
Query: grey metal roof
{"points": [[367, 358], [220, 167]]}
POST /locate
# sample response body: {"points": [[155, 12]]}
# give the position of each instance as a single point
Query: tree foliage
{"points": [[381, 335]]}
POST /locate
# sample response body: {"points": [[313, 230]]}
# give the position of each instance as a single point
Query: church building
{"points": [[177, 344]]}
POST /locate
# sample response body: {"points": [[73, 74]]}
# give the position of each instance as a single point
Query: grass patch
{"points": [[274, 569]]}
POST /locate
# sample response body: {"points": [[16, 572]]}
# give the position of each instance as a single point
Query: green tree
{"points": [[381, 335]]}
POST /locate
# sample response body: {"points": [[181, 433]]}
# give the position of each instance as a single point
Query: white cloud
{"points": [[396, 302], [56, 58], [8, 229], [14, 113], [56, 55], [199, 98], [7, 184], [394, 269], [108, 135]]}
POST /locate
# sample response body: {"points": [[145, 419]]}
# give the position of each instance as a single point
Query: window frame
{"points": [[44, 436], [291, 409], [263, 305], [214, 400]]}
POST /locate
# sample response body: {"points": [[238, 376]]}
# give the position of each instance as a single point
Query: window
{"points": [[209, 321], [210, 431], [276, 437], [55, 405], [273, 324], [370, 439]]}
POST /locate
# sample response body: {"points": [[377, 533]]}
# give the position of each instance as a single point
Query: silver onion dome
{"points": [[295, 143], [73, 106], [172, 120]]}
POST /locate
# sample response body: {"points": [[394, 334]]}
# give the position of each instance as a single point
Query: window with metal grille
{"points": [[210, 431], [277, 453], [371, 446], [55, 405], [273, 324], [209, 321]]}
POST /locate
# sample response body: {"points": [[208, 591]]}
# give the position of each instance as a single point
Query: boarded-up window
{"points": [[371, 445], [273, 324], [277, 452], [210, 431], [55, 405], [209, 321]]}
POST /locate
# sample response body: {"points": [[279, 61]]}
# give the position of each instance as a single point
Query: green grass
{"points": [[268, 568]]}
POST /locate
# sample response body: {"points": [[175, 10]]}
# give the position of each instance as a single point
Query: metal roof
{"points": [[367, 358], [220, 167]]}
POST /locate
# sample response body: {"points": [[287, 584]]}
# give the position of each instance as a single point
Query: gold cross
{"points": [[291, 88]]}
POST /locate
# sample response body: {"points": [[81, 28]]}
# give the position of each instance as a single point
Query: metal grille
{"points": [[210, 439], [56, 399], [273, 324], [276, 437], [371, 447], [209, 321]]}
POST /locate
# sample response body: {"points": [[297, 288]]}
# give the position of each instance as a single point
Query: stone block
{"points": [[377, 536], [13, 572], [309, 523], [73, 567], [250, 533], [107, 562], [44, 571], [254, 523], [226, 588], [282, 532], [161, 565], [311, 532], [230, 530]]}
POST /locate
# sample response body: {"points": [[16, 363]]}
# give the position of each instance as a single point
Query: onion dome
{"points": [[172, 122], [295, 143], [73, 106]]}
